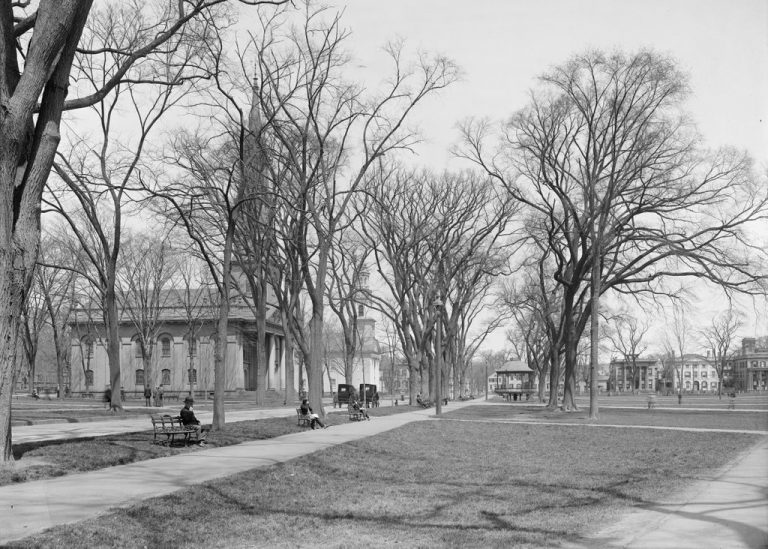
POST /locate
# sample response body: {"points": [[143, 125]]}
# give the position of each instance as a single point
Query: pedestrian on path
{"points": [[148, 396]]}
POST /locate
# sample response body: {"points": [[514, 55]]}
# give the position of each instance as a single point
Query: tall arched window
{"points": [[89, 377], [165, 376], [139, 377], [165, 346], [192, 376]]}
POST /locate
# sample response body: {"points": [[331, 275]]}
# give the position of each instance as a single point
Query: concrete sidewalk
{"points": [[131, 424], [31, 507], [727, 512]]}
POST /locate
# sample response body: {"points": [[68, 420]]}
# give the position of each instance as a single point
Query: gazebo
{"points": [[514, 380]]}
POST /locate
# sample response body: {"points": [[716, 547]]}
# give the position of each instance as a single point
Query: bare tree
{"points": [[720, 336], [492, 361], [56, 280], [529, 336], [677, 338], [39, 43], [197, 301], [326, 134], [624, 195], [34, 318], [144, 275], [97, 175], [346, 297], [626, 335], [444, 236]]}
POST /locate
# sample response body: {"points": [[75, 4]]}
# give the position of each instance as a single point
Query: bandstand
{"points": [[515, 381]]}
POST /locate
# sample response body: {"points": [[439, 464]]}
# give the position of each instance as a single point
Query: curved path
{"points": [[31, 507], [728, 511]]}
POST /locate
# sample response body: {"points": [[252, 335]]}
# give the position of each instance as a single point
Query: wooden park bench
{"points": [[355, 415], [303, 420], [171, 427]]}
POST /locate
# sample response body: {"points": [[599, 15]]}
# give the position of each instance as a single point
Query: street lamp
{"points": [[438, 355]]}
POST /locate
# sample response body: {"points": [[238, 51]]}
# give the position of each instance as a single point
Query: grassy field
{"points": [[721, 419], [428, 484], [60, 457]]}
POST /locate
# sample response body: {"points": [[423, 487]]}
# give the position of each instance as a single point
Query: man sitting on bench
{"points": [[188, 419], [359, 409]]}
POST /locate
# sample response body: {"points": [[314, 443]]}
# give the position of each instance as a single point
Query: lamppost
{"points": [[438, 355]]}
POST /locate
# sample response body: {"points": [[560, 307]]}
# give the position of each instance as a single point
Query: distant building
{"points": [[749, 367], [698, 373], [650, 373], [182, 355]]}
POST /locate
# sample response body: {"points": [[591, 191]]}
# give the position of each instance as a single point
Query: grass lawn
{"points": [[725, 419], [54, 458], [428, 484]]}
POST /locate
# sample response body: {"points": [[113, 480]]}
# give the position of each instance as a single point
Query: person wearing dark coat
{"points": [[188, 419], [314, 419]]}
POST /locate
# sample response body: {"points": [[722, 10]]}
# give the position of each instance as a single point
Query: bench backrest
{"points": [[167, 422]]}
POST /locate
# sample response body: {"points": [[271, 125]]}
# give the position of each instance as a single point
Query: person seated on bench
{"points": [[188, 419], [359, 409], [314, 419], [421, 402]]}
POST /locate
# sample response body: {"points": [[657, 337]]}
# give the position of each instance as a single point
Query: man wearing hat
{"points": [[188, 419]]}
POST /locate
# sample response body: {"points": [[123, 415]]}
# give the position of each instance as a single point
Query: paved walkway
{"points": [[729, 511], [31, 507], [127, 424]]}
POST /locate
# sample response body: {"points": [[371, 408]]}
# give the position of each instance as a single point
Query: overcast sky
{"points": [[503, 45]]}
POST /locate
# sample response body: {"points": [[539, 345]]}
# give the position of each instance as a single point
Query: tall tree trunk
{"points": [[542, 380], [554, 376], [111, 315], [315, 362], [314, 365], [413, 376], [262, 358], [594, 336], [349, 363], [571, 357], [222, 329], [288, 349], [10, 312]]}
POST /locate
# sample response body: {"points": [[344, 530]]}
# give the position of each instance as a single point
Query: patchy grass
{"points": [[727, 419], [428, 484], [55, 458]]}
